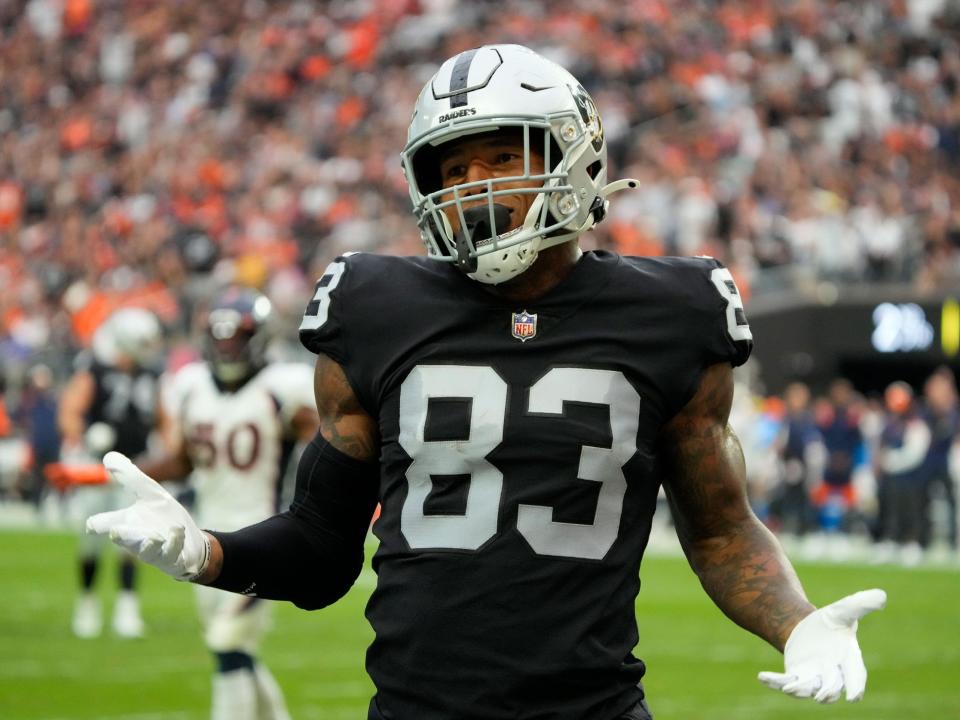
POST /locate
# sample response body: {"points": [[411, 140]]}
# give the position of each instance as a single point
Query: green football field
{"points": [[700, 665]]}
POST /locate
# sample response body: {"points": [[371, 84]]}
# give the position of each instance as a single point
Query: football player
{"points": [[514, 404], [109, 403], [235, 421]]}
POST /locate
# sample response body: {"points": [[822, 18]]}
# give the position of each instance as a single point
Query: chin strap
{"points": [[477, 230]]}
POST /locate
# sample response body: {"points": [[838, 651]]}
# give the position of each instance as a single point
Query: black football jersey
{"points": [[518, 469], [125, 401]]}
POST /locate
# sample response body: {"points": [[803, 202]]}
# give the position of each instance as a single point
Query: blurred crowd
{"points": [[151, 152], [879, 468]]}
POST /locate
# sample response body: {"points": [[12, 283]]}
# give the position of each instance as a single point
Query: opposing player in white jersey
{"points": [[235, 420]]}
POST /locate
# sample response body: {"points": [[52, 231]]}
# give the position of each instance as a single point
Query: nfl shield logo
{"points": [[524, 326]]}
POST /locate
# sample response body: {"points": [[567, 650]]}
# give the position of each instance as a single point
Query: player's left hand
{"points": [[822, 656], [156, 528]]}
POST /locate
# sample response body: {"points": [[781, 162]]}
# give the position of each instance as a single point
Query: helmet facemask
{"points": [[555, 215]]}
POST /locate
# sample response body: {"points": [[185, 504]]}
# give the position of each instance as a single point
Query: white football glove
{"points": [[822, 656], [156, 528]]}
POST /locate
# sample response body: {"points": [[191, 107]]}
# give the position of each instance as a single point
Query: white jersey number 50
{"points": [[487, 393]]}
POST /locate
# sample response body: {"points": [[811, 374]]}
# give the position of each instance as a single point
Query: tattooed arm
{"points": [[739, 562], [343, 423], [324, 529]]}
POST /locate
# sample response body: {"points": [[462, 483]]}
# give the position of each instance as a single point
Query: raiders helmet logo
{"points": [[591, 118]]}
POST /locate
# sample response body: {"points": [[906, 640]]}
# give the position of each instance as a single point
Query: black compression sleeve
{"points": [[311, 554]]}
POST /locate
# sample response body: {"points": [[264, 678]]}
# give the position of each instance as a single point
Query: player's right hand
{"points": [[156, 528]]}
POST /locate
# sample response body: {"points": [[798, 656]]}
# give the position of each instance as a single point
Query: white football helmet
{"points": [[132, 333], [496, 88]]}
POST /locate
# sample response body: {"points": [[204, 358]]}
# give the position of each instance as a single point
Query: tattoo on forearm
{"points": [[343, 423], [751, 580], [739, 562]]}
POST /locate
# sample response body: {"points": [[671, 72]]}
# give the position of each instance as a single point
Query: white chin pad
{"points": [[500, 266]]}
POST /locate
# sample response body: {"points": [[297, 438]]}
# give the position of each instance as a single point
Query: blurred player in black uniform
{"points": [[514, 404], [109, 403]]}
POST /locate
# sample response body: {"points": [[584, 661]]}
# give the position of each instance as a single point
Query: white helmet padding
{"points": [[507, 88]]}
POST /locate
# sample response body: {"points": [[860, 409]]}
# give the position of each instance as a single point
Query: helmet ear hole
{"points": [[556, 155], [426, 169]]}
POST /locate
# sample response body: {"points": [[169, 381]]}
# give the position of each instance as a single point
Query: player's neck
{"points": [[551, 267]]}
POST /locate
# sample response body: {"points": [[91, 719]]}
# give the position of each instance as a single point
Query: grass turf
{"points": [[700, 665]]}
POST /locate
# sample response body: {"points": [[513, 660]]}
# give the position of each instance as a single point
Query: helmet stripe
{"points": [[458, 78]]}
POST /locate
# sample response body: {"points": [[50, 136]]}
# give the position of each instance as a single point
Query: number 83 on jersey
{"points": [[487, 393]]}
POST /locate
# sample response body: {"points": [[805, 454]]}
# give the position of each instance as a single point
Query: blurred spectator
{"points": [[801, 461], [942, 414], [903, 449], [9, 467], [5, 425], [838, 421], [37, 417]]}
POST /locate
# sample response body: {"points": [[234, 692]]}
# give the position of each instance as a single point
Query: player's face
{"points": [[488, 157], [124, 363]]}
